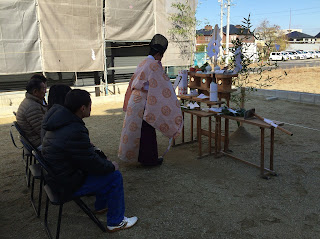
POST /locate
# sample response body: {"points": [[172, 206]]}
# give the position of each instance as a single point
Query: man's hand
{"points": [[116, 166]]}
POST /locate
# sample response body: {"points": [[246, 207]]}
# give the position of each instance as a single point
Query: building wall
{"points": [[206, 39], [305, 47], [203, 40]]}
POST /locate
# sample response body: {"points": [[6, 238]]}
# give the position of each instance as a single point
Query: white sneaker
{"points": [[126, 223]]}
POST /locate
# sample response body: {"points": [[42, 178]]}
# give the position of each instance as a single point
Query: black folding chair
{"points": [[26, 149], [33, 169], [55, 199], [36, 173]]}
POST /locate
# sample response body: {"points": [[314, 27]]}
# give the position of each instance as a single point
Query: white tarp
{"points": [[19, 37], [71, 32], [71, 35], [128, 20], [139, 20]]}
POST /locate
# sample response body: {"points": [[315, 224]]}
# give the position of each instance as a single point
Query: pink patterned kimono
{"points": [[158, 106]]}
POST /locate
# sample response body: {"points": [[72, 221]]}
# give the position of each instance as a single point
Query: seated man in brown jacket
{"points": [[31, 110]]}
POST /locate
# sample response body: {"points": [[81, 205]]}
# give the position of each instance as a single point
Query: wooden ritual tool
{"points": [[250, 113]]}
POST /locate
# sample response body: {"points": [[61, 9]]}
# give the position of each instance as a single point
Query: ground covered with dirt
{"points": [[188, 197]]}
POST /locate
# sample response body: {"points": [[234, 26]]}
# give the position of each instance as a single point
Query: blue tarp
{"points": [[199, 58]]}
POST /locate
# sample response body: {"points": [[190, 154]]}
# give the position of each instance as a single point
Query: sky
{"points": [[305, 14]]}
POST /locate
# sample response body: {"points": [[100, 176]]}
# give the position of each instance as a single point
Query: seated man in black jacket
{"points": [[78, 169]]}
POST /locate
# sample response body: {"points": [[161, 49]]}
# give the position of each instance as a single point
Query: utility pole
{"points": [[221, 18], [290, 22], [228, 31], [221, 28]]}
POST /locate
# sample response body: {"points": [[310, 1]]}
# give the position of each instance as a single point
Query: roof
{"points": [[204, 32], [318, 35], [233, 31], [298, 35], [236, 31]]}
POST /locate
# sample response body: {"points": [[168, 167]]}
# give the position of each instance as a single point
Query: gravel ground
{"points": [[188, 197]]}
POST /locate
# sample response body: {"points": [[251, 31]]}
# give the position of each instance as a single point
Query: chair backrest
{"points": [[24, 140], [54, 196], [12, 138], [37, 154]]}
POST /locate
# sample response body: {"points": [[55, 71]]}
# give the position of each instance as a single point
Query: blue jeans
{"points": [[109, 193]]}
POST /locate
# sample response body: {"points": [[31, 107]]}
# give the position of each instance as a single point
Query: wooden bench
{"points": [[264, 172]]}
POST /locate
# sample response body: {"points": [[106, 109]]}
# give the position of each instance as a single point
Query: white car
{"points": [[317, 53], [276, 56], [292, 55], [301, 55], [313, 54], [308, 54], [285, 55]]}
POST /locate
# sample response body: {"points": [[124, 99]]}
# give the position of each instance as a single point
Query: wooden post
{"points": [[271, 148], [183, 128], [226, 135], [262, 152], [199, 134], [243, 95], [219, 133], [209, 135], [216, 136], [191, 133]]}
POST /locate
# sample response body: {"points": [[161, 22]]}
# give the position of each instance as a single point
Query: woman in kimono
{"points": [[150, 103]]}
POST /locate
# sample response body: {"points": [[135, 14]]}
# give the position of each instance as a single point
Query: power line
{"points": [[266, 13]]}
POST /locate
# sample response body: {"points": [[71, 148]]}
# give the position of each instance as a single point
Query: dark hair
{"points": [[57, 94], [153, 52], [77, 98], [40, 77], [33, 84]]}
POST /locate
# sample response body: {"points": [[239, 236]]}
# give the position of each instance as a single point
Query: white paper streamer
{"points": [[238, 60], [270, 122], [183, 84]]}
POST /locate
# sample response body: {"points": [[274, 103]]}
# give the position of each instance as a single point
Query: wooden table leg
{"points": [[220, 134], [262, 153], [226, 135], [199, 134], [209, 135], [182, 134], [271, 148], [216, 136], [191, 130]]}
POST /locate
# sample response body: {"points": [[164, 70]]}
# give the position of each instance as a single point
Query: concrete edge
{"points": [[301, 97]]}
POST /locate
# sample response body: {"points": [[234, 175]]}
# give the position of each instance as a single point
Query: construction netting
{"points": [[71, 35], [68, 35], [128, 20], [19, 37]]}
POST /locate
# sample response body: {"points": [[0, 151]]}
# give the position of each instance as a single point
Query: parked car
{"points": [[308, 55], [276, 56], [317, 53], [292, 55], [300, 55], [313, 54], [285, 55]]}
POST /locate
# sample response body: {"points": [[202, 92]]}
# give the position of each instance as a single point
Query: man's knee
{"points": [[117, 176]]}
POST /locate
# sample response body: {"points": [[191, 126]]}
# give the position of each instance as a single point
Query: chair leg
{"points": [[27, 170], [59, 221], [87, 210], [40, 197], [32, 198], [46, 219], [38, 208]]}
